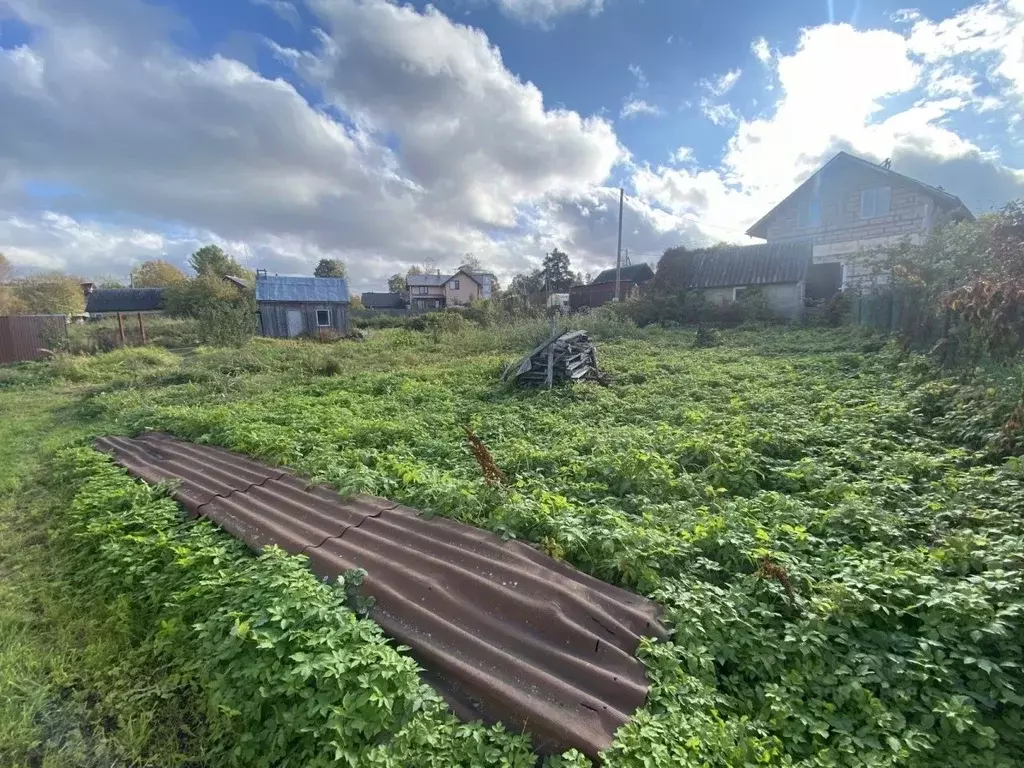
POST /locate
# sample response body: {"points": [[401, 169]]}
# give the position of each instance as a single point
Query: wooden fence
{"points": [[24, 337]]}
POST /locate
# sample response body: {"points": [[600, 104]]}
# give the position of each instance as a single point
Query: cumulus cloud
{"points": [[761, 50], [440, 150], [836, 90]]}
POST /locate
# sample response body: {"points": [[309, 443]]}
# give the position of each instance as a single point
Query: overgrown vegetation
{"points": [[833, 529]]}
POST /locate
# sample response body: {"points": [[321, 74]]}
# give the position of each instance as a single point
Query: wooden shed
{"points": [[296, 306]]}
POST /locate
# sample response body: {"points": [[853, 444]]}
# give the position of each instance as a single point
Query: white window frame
{"points": [[869, 202], [323, 325], [738, 291], [455, 285]]}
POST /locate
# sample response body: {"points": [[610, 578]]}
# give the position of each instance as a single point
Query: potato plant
{"points": [[842, 574]]}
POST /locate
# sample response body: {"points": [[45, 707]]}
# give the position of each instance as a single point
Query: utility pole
{"points": [[618, 252]]}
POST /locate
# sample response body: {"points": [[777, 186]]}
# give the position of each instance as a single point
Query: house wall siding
{"points": [[787, 299], [468, 290], [846, 238], [274, 317]]}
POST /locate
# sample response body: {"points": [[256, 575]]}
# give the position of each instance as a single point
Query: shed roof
{"points": [[374, 300], [635, 273], [125, 300], [319, 290], [739, 265]]}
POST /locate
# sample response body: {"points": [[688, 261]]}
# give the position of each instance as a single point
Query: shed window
{"points": [[809, 213], [737, 293], [323, 318], [875, 202], [455, 285]]}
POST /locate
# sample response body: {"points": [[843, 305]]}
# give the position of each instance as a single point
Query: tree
{"points": [[555, 273], [189, 298], [396, 283], [356, 302], [50, 294], [6, 270], [527, 284], [578, 279], [108, 282], [211, 260], [414, 270], [157, 273], [471, 263], [330, 268]]}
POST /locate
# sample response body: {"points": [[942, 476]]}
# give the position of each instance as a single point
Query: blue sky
{"points": [[389, 135]]}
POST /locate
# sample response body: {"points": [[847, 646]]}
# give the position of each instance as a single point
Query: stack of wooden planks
{"points": [[565, 357]]}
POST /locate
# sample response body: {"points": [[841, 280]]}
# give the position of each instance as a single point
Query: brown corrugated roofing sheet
{"points": [[504, 632]]}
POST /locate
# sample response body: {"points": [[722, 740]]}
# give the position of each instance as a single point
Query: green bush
{"points": [[286, 673]]}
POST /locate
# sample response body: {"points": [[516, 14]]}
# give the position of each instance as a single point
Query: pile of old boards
{"points": [[567, 356]]}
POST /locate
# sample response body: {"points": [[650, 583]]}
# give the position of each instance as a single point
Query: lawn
{"points": [[834, 540]]}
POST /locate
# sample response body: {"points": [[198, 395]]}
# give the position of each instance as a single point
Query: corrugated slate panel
{"points": [[751, 264], [504, 632], [24, 337], [635, 273], [323, 290]]}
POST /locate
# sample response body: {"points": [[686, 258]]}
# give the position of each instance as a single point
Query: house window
{"points": [[323, 318], [808, 214], [737, 293], [875, 202], [422, 290], [455, 285]]}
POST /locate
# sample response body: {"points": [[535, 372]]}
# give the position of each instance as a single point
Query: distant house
{"points": [[390, 301], [722, 274], [440, 291], [293, 306], [601, 289], [850, 206], [108, 301]]}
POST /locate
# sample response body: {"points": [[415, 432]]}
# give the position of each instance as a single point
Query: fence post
{"points": [[120, 327]]}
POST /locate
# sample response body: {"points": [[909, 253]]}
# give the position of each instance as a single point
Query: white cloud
{"points": [[101, 107], [634, 107], [282, 8], [835, 93], [719, 114], [638, 72], [543, 12], [722, 84], [761, 50], [682, 155]]}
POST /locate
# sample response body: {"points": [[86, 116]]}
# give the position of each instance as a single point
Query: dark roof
{"points": [[372, 300], [635, 273], [240, 282], [740, 265], [125, 300], [948, 201], [313, 290], [504, 632]]}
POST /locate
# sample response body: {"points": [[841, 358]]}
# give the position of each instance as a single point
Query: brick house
{"points": [[440, 291], [850, 206]]}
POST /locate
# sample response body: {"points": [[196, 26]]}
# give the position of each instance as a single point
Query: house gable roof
{"points": [[125, 300], [319, 290], [414, 281], [462, 272], [635, 273], [742, 265], [948, 201]]}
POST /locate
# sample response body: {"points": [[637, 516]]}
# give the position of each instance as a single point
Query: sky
{"points": [[389, 135]]}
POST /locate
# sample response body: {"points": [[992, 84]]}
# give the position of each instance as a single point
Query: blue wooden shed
{"points": [[297, 306]]}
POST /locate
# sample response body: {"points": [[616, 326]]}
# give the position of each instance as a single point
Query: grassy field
{"points": [[835, 534]]}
